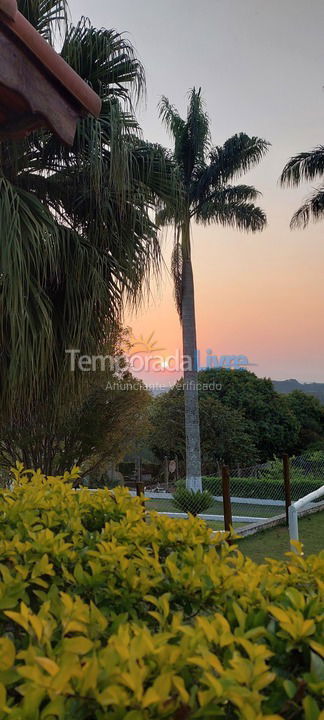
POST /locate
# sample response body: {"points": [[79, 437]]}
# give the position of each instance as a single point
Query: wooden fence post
{"points": [[140, 490], [226, 498], [166, 472], [287, 485], [139, 469]]}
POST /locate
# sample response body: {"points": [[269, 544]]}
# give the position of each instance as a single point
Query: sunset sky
{"points": [[260, 64]]}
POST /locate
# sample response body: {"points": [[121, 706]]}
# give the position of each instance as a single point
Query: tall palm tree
{"points": [[206, 197], [77, 231], [306, 166]]}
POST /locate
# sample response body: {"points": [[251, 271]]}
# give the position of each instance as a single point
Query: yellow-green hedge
{"points": [[106, 616]]}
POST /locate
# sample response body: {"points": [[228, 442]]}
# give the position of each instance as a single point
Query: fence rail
{"points": [[254, 494], [216, 518], [300, 504], [218, 498]]}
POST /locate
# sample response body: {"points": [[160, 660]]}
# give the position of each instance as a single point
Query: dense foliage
{"points": [[265, 487], [107, 418], [78, 240], [107, 617], [242, 419], [225, 433], [269, 421], [309, 413], [78, 236]]}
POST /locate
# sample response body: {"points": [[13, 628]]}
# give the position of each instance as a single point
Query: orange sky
{"points": [[261, 296]]}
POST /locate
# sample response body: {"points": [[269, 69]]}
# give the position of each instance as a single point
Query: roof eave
{"points": [[46, 56]]}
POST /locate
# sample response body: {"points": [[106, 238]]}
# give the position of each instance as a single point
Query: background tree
{"points": [[306, 166], [207, 196], [309, 413], [270, 422], [225, 432], [96, 428], [78, 237]]}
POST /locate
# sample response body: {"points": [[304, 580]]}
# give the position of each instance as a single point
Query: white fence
{"points": [[307, 500], [267, 504], [215, 518], [218, 498], [165, 496]]}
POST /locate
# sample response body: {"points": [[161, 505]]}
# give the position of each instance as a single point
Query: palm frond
{"points": [[304, 166], [105, 59], [223, 195], [153, 167], [102, 153], [107, 62], [49, 17], [240, 215], [165, 215], [191, 148], [238, 155], [312, 208], [170, 117], [198, 126], [27, 254], [191, 136], [204, 175]]}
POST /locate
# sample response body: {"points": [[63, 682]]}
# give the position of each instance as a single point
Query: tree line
{"points": [[244, 423]]}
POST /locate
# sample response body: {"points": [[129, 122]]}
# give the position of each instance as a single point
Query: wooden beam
{"points": [[20, 125], [60, 73], [9, 8], [49, 107]]}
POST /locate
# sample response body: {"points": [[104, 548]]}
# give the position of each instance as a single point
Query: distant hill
{"points": [[282, 386], [287, 386]]}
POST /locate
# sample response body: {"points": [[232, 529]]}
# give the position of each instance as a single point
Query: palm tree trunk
{"points": [[192, 427]]}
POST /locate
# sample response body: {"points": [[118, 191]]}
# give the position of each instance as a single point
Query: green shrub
{"points": [[192, 502], [272, 489], [156, 620]]}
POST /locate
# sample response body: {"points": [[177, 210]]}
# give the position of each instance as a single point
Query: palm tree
{"points": [[77, 231], [206, 197], [306, 166]]}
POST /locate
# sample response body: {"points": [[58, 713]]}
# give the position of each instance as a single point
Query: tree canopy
{"points": [[78, 237], [225, 436], [306, 166], [270, 422], [207, 175], [243, 420], [310, 415], [107, 419]]}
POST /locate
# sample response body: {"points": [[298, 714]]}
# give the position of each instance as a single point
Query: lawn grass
{"points": [[166, 505], [275, 542]]}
